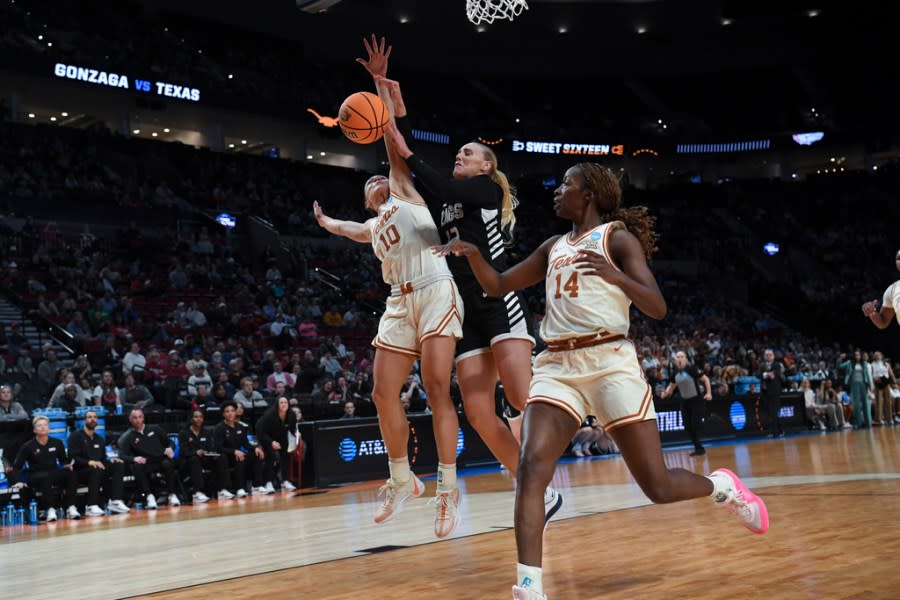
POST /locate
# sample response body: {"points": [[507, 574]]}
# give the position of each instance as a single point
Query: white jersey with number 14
{"points": [[579, 304]]}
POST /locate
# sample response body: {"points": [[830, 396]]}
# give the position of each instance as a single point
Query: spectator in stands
{"points": [[771, 373], [278, 375], [48, 371], [10, 410], [232, 441], [330, 364], [148, 449], [135, 395], [82, 367], [48, 469], [827, 395], [24, 363], [199, 376], [349, 410], [106, 394], [79, 327], [16, 339], [87, 450], [326, 400], [110, 357], [134, 361], [197, 450], [361, 388], [71, 398], [310, 372], [195, 359], [222, 390], [248, 397], [178, 279], [194, 317], [858, 381], [591, 437], [817, 413], [203, 399], [272, 429], [882, 377]]}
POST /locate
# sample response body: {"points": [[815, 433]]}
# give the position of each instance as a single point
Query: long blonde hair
{"points": [[510, 200]]}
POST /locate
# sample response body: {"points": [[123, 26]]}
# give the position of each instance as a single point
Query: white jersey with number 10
{"points": [[402, 236]]}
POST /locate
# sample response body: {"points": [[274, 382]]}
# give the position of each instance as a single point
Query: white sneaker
{"points": [[395, 494], [741, 502], [553, 501], [242, 493], [200, 498], [270, 489], [72, 513], [225, 495], [173, 500], [446, 512], [151, 502], [51, 514], [93, 511], [287, 485], [118, 507], [520, 593]]}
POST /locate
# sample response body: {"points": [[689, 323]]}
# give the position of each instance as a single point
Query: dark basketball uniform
{"points": [[470, 209]]}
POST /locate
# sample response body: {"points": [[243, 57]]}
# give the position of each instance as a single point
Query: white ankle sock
{"points": [[399, 468], [720, 487], [446, 477], [529, 577]]}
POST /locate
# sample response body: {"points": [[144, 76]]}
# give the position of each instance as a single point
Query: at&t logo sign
{"points": [[348, 449]]}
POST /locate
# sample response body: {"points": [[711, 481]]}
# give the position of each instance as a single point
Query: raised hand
{"points": [[377, 63], [317, 211], [456, 247], [592, 263], [870, 308]]}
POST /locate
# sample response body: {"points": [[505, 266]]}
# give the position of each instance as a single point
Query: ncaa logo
{"points": [[347, 449], [738, 416], [460, 442]]}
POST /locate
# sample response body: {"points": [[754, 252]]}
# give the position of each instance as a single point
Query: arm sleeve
{"points": [[404, 126], [478, 191]]}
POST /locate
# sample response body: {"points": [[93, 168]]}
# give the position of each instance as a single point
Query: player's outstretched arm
{"points": [[522, 275], [352, 230], [881, 318]]}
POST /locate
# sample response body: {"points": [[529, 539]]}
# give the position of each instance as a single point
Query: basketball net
{"points": [[486, 11]]}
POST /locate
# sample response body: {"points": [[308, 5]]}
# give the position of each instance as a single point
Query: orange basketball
{"points": [[362, 117]]}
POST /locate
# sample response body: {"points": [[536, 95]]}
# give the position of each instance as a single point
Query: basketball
{"points": [[362, 117]]}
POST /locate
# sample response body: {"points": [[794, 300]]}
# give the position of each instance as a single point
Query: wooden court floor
{"points": [[832, 500]]}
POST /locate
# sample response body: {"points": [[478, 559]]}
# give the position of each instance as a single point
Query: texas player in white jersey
{"points": [[422, 319], [890, 303], [592, 276]]}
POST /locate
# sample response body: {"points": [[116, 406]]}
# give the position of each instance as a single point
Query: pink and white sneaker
{"points": [[741, 502], [395, 494]]}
